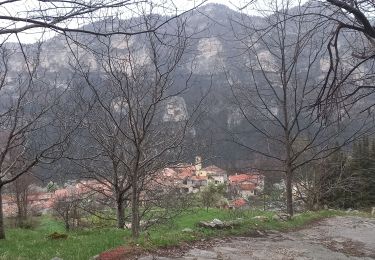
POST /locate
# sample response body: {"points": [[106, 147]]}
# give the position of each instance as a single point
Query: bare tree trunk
{"points": [[25, 202], [289, 190], [288, 159], [2, 230], [135, 208], [67, 225], [19, 210], [120, 212]]}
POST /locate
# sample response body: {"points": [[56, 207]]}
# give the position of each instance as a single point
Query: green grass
{"points": [[83, 244], [171, 234]]}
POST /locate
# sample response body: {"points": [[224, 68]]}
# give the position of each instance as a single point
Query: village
{"points": [[185, 178]]}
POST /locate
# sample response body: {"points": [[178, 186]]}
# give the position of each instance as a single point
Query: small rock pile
{"points": [[282, 217], [218, 224]]}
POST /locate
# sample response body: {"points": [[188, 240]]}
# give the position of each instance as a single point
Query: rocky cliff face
{"points": [[214, 50]]}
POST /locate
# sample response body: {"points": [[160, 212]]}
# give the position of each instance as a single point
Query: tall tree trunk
{"points": [[120, 212], [19, 208], [19, 214], [289, 190], [288, 140], [135, 208], [67, 225], [67, 218], [2, 229], [24, 204]]}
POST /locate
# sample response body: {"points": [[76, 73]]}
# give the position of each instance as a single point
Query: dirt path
{"points": [[334, 238]]}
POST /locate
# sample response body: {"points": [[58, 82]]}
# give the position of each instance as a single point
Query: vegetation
{"points": [[85, 243], [35, 243], [212, 195], [353, 175]]}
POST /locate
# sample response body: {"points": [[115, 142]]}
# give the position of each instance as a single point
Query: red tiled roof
{"points": [[199, 178], [183, 171], [169, 172], [247, 186], [244, 177], [184, 174], [213, 169]]}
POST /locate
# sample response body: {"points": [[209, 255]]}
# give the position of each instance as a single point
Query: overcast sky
{"points": [[236, 4], [181, 5], [191, 3]]}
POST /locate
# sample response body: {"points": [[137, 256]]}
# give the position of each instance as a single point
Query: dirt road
{"points": [[334, 238]]}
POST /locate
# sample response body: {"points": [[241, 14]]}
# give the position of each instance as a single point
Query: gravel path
{"points": [[334, 238]]}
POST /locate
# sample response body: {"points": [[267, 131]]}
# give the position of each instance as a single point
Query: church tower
{"points": [[198, 166]]}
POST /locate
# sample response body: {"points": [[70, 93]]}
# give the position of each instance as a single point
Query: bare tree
{"points": [[21, 189], [138, 122], [162, 200], [31, 130], [67, 207], [72, 17], [284, 52], [351, 51]]}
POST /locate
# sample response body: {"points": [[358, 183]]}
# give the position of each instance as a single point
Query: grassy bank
{"points": [[83, 244]]}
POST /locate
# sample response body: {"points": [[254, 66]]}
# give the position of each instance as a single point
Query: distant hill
{"points": [[213, 49]]}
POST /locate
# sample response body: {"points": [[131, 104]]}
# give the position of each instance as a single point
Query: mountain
{"points": [[216, 55]]}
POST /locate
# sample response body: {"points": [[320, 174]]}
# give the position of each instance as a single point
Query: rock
{"points": [[236, 222], [95, 257], [187, 230], [373, 211], [348, 210], [281, 217], [128, 225], [261, 218], [148, 223], [216, 223], [206, 224]]}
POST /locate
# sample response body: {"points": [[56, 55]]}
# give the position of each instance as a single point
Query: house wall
{"points": [[247, 193], [218, 179]]}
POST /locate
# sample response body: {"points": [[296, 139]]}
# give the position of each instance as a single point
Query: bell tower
{"points": [[198, 166]]}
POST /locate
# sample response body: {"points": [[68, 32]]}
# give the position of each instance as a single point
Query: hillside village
{"points": [[185, 178]]}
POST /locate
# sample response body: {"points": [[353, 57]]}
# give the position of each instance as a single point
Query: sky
{"points": [[181, 5], [248, 6], [230, 3]]}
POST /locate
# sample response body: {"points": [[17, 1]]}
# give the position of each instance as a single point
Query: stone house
{"points": [[246, 184]]}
